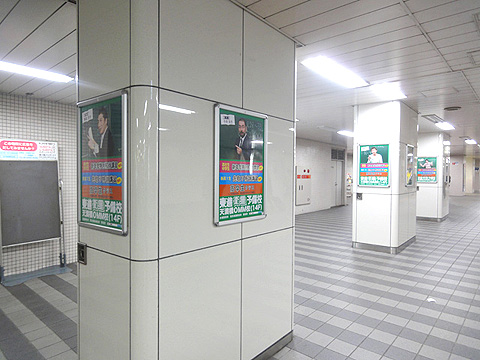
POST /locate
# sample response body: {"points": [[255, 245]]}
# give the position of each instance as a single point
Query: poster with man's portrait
{"points": [[240, 165], [102, 164]]}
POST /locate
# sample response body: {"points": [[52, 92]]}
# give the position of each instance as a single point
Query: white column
{"points": [[433, 196], [384, 216]]}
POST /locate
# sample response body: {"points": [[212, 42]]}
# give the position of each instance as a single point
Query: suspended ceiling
{"points": [[431, 48]]}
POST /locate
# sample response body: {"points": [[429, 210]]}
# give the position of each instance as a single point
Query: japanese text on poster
{"points": [[102, 170], [11, 149], [373, 165], [241, 165], [427, 170]]}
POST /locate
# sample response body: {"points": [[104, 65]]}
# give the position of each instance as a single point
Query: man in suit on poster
{"points": [[106, 147], [243, 144]]}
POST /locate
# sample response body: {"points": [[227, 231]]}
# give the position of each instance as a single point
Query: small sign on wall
{"points": [[303, 192]]}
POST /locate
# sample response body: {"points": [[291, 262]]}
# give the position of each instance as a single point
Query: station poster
{"points": [[373, 165], [427, 170], [240, 165], [102, 138]]}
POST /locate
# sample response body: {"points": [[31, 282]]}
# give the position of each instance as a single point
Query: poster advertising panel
{"points": [[13, 149], [102, 163], [240, 165], [373, 165], [427, 170], [409, 168]]}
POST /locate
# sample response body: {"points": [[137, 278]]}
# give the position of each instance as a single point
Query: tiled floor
{"points": [[423, 303]]}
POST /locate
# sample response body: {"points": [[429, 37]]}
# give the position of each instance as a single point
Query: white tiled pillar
{"points": [[384, 216], [433, 196], [187, 289]]}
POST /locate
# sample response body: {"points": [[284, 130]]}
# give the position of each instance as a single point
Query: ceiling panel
{"points": [[267, 8], [56, 27], [24, 18], [362, 27], [419, 5], [306, 10], [446, 10], [338, 15]]}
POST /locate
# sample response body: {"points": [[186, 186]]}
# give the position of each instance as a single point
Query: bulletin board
{"points": [[29, 191], [29, 199]]}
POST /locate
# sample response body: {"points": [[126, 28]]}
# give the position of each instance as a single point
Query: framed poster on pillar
{"points": [[373, 165], [102, 163], [427, 170], [240, 165], [409, 165]]}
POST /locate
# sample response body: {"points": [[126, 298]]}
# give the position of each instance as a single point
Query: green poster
{"points": [[240, 165], [373, 165], [102, 163], [427, 170]]}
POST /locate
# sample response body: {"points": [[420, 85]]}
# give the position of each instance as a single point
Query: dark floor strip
{"points": [[14, 344], [62, 286], [57, 321]]}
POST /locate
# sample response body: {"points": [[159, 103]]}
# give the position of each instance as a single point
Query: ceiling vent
{"points": [[452, 108]]}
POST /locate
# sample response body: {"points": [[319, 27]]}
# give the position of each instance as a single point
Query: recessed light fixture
{"points": [[29, 71], [334, 71], [388, 91], [445, 125], [447, 142], [470, 141], [433, 118], [345, 133]]}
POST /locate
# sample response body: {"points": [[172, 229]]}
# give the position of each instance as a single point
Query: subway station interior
{"points": [[240, 179]]}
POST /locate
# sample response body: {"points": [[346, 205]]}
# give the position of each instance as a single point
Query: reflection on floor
{"points": [[423, 303]]}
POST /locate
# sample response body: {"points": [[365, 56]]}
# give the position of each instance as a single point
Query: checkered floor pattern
{"points": [[423, 303]]}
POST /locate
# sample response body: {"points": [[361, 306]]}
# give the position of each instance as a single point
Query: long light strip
{"points": [[470, 141], [176, 109], [333, 71], [445, 125], [345, 133], [29, 71]]}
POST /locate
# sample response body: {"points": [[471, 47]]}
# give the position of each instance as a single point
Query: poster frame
{"points": [[407, 148], [436, 170], [359, 167], [216, 205], [124, 101]]}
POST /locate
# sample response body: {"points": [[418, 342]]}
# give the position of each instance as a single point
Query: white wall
{"points": [[456, 172], [317, 157], [26, 118]]}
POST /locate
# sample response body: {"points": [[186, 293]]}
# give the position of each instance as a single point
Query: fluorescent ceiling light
{"points": [[445, 125], [29, 71], [335, 72], [470, 141], [345, 133], [388, 91], [176, 109], [447, 142]]}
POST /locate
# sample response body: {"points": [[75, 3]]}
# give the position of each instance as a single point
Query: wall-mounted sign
{"points": [[102, 163], [373, 165], [240, 165], [409, 168], [427, 170], [12, 149]]}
